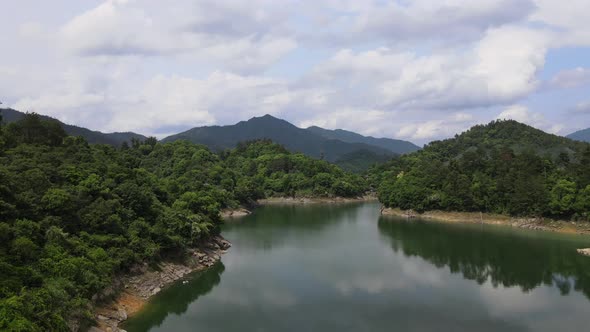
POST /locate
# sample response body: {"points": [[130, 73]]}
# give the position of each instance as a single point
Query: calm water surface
{"points": [[345, 268]]}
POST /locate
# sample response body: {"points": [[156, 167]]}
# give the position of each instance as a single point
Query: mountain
{"points": [[280, 131], [506, 133], [582, 135], [93, 137], [504, 167], [393, 145]]}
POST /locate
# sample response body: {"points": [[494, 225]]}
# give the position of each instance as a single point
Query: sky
{"points": [[418, 70]]}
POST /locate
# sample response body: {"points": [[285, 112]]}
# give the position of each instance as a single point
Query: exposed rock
{"points": [[144, 283], [122, 314], [585, 252], [234, 213]]}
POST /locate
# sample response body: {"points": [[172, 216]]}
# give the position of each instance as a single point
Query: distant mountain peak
{"points": [[580, 135], [266, 117], [314, 143]]}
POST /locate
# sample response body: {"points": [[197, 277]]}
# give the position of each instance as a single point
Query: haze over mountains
{"points": [[581, 135]]}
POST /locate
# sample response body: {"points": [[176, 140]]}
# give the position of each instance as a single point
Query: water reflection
{"points": [[332, 268], [503, 257], [176, 299], [270, 226]]}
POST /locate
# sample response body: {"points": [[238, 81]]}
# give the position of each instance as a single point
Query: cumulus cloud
{"points": [[571, 78], [115, 27], [499, 69], [226, 34], [407, 21], [419, 70], [571, 20], [522, 114]]}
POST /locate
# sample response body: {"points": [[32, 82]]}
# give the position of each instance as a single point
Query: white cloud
{"points": [[499, 69], [571, 20], [408, 21], [429, 129], [582, 108], [522, 114], [420, 69], [571, 78], [115, 27], [192, 30]]}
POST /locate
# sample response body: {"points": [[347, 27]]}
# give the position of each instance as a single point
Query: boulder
{"points": [[122, 314]]}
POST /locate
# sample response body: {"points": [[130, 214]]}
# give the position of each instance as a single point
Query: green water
{"points": [[345, 268]]}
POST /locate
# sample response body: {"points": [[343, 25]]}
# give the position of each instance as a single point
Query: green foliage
{"points": [[503, 167], [73, 215]]}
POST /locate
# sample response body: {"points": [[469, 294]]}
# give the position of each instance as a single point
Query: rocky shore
{"points": [[234, 213], [143, 282], [540, 224]]}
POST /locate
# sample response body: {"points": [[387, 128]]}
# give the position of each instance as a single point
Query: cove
{"points": [[344, 267]]}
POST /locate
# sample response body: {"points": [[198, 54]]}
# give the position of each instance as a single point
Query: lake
{"points": [[345, 268]]}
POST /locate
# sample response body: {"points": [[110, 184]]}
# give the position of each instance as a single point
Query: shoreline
{"points": [[539, 224], [243, 211], [234, 213], [134, 290], [315, 200]]}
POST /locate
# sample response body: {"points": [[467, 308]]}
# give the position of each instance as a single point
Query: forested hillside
{"points": [[280, 131], [394, 145], [503, 167], [91, 136], [74, 215]]}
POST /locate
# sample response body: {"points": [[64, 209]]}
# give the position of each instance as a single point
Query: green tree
{"points": [[563, 197]]}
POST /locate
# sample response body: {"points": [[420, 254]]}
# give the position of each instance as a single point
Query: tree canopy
{"points": [[504, 167], [74, 215]]}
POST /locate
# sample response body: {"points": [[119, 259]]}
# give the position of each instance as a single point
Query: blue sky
{"points": [[418, 70]]}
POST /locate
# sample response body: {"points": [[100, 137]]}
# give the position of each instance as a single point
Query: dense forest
{"points": [[74, 215], [504, 167]]}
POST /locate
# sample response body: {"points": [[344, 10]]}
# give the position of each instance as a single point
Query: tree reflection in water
{"points": [[503, 256]]}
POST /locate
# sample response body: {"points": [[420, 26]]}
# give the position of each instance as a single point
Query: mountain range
{"points": [[93, 137], [334, 146], [582, 135], [351, 151]]}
